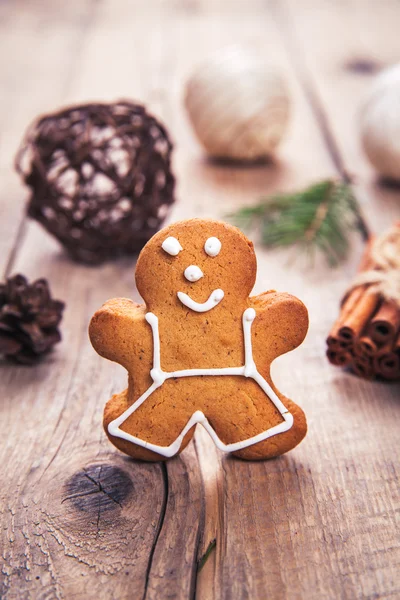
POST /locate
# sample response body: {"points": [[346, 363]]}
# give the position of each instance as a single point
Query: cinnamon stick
{"points": [[332, 341], [385, 324], [366, 334], [365, 346], [361, 313], [339, 358], [387, 362], [388, 365], [339, 330], [397, 345], [363, 367], [336, 343]]}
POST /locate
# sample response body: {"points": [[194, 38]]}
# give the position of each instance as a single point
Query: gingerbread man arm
{"points": [[115, 328], [280, 326]]}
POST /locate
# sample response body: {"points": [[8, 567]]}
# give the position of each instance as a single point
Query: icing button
{"points": [[193, 273], [212, 246], [172, 246]]}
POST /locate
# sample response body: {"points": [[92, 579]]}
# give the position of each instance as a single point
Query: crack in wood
{"points": [[201, 529], [160, 524], [101, 488], [110, 482], [204, 557], [18, 241], [72, 496]]}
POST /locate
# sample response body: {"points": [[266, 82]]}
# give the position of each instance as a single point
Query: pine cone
{"points": [[29, 319], [100, 178]]}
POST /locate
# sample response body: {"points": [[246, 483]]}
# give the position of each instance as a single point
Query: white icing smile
{"points": [[213, 300]]}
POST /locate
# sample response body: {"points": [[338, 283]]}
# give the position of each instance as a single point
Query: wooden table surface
{"points": [[80, 520]]}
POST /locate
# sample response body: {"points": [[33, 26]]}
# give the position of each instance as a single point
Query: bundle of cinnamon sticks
{"points": [[366, 336]]}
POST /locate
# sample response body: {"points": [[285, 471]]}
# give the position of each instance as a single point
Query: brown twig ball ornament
{"points": [[100, 178]]}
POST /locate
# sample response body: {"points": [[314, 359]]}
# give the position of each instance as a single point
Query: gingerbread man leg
{"points": [[281, 443], [254, 413], [149, 423]]}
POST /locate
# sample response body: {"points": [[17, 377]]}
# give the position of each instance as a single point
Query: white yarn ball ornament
{"points": [[238, 105], [380, 123]]}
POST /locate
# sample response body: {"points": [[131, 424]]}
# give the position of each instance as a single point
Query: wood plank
{"points": [[215, 188], [297, 527], [150, 56], [174, 563], [40, 51], [212, 190], [318, 522], [61, 531], [80, 518]]}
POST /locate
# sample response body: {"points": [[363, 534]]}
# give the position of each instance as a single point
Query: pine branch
{"points": [[319, 218]]}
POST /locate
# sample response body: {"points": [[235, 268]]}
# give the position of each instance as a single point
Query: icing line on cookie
{"points": [[213, 300], [159, 376]]}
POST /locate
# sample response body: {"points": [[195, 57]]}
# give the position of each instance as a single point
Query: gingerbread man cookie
{"points": [[199, 350]]}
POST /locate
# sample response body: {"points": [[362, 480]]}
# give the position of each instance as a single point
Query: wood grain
{"points": [[79, 519]]}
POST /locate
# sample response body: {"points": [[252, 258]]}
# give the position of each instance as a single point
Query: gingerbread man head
{"points": [[197, 265], [199, 350]]}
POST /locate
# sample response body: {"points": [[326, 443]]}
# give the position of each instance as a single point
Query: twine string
{"points": [[384, 277]]}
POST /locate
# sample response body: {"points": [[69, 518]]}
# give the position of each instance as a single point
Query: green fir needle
{"points": [[319, 218]]}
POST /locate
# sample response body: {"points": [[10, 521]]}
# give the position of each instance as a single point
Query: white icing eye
{"points": [[171, 246], [212, 246], [193, 273]]}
